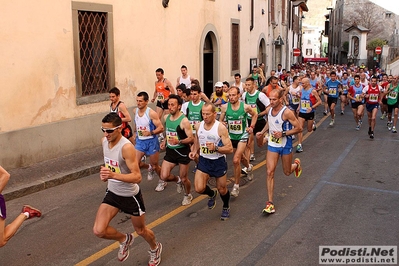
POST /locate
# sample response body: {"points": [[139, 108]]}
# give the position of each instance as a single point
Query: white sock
{"points": [[178, 179], [236, 185], [26, 214]]}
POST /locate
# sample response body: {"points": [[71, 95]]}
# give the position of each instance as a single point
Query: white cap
{"points": [[219, 84]]}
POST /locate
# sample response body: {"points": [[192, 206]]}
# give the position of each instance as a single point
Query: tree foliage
{"points": [[376, 42]]}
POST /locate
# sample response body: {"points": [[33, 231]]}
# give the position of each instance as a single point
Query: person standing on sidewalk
{"points": [[282, 125], [236, 114], [179, 136], [28, 212], [146, 128], [212, 143], [122, 173]]}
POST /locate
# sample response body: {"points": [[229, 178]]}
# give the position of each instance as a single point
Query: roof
{"points": [[357, 27], [301, 4]]}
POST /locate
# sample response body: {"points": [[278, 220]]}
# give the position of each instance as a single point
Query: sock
{"points": [[208, 191], [26, 214], [237, 185], [178, 179], [225, 198]]}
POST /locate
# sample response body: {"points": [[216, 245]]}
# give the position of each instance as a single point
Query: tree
{"points": [[376, 42]]}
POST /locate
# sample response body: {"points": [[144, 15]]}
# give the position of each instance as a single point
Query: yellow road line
{"points": [[158, 221], [168, 216]]}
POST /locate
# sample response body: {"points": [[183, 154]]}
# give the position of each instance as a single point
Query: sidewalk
{"points": [[54, 172]]}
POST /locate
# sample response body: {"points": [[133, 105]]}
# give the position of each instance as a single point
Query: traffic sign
{"points": [[378, 50], [297, 52]]}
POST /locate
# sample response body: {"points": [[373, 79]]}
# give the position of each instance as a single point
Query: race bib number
{"points": [[393, 95], [205, 150], [218, 110], [295, 100], [274, 139], [345, 88], [373, 98], [193, 123], [332, 91], [305, 104], [112, 165], [160, 96], [140, 130], [171, 137], [254, 108], [235, 127], [357, 97]]}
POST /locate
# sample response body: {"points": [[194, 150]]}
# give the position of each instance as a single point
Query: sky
{"points": [[391, 5]]}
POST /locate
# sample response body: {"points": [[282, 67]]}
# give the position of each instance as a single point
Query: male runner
{"points": [[179, 136], [282, 125], [212, 142], [122, 173]]}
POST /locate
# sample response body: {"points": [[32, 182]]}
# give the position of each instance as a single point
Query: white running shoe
{"points": [[332, 122], [235, 191], [151, 173], [123, 252], [179, 187], [250, 175], [187, 200], [161, 185], [252, 157]]}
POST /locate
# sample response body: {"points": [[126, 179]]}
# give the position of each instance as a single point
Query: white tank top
{"points": [[212, 136], [143, 124], [276, 123], [293, 92], [185, 81], [113, 159]]}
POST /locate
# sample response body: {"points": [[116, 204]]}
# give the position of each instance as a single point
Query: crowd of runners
{"points": [[264, 108]]}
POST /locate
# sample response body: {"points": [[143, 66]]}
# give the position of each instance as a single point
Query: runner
{"points": [[357, 101], [332, 88], [372, 94], [212, 143], [280, 124]]}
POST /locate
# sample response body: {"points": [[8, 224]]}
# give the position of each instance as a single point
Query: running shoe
{"points": [[155, 255], [325, 113], [187, 200], [342, 112], [360, 122], [389, 125], [299, 148], [123, 252], [269, 208], [151, 173], [394, 130], [225, 214], [235, 191], [244, 171], [332, 122], [161, 185], [250, 175], [33, 212], [358, 127], [212, 200], [252, 158], [369, 132], [372, 135], [298, 169], [314, 127], [179, 187], [383, 116]]}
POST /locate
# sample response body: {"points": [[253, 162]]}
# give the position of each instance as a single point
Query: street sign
{"points": [[378, 50], [297, 52]]}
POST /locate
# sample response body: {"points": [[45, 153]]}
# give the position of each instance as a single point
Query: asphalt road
{"points": [[348, 194]]}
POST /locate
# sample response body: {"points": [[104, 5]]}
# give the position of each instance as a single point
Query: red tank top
{"points": [[163, 92]]}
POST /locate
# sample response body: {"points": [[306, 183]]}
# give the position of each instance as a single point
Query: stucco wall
{"points": [[40, 118]]}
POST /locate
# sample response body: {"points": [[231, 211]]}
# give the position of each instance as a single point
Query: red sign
{"points": [[378, 50], [297, 52]]}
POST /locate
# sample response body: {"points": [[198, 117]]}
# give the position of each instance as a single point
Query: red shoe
{"points": [[33, 212]]}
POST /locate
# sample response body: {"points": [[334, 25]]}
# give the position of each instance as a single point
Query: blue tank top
{"points": [[305, 101]]}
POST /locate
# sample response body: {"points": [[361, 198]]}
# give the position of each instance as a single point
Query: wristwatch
{"points": [[284, 134], [216, 148]]}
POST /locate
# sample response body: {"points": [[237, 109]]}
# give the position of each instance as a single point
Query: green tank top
{"points": [[393, 95], [173, 131], [236, 121], [194, 114], [254, 103]]}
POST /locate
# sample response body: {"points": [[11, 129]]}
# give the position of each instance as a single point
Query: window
{"points": [[94, 67], [272, 17], [283, 11], [235, 46], [388, 14], [308, 51]]}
